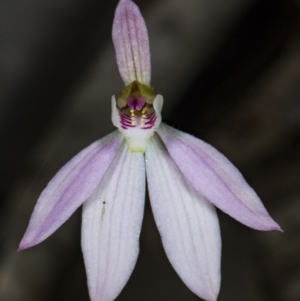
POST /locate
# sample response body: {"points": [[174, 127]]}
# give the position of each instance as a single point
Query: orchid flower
{"points": [[186, 179]]}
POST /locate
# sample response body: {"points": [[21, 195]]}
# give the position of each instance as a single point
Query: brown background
{"points": [[230, 74]]}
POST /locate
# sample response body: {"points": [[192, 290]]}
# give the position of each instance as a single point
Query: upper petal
{"points": [[187, 222], [213, 176], [69, 188], [131, 43], [112, 220]]}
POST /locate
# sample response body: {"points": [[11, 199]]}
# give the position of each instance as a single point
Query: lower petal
{"points": [[187, 222], [212, 175], [111, 225], [69, 188]]}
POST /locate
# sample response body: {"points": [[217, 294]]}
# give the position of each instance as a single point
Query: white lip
{"points": [[136, 136]]}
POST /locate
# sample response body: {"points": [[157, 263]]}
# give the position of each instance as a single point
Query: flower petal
{"points": [[112, 221], [69, 188], [131, 42], [213, 176], [187, 222]]}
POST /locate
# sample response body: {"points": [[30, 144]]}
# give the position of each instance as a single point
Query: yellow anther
{"points": [[132, 117]]}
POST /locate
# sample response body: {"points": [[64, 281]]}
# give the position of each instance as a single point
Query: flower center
{"points": [[136, 113], [135, 104]]}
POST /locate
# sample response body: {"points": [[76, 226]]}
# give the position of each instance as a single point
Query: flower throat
{"points": [[135, 104]]}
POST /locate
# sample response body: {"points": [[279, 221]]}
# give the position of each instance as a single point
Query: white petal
{"points": [[112, 219], [69, 188], [212, 175], [187, 222]]}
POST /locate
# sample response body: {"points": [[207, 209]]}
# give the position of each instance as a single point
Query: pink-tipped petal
{"points": [[187, 222], [131, 43], [69, 188], [213, 176], [111, 225]]}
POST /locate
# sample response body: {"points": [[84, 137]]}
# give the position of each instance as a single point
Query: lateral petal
{"points": [[112, 221], [69, 188], [213, 176], [187, 222], [131, 43]]}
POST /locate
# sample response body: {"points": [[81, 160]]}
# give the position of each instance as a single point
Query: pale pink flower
{"points": [[186, 179]]}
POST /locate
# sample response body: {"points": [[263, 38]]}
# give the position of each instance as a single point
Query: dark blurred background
{"points": [[230, 74]]}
